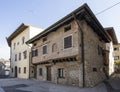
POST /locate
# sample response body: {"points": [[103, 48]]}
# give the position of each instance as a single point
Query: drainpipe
{"points": [[82, 47]]}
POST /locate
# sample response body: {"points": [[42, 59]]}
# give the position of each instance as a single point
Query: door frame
{"points": [[48, 73]]}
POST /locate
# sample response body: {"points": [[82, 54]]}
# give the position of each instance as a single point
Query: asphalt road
{"points": [[33, 85]]}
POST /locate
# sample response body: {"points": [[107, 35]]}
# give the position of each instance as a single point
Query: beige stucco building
{"points": [[72, 51], [21, 66], [117, 52]]}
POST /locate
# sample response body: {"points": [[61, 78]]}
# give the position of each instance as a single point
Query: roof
{"points": [[83, 12], [20, 29], [111, 32]]}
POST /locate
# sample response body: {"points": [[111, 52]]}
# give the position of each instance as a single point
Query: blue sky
{"points": [[43, 13]]}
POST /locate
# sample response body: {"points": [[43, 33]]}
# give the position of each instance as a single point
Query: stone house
{"points": [[110, 50], [71, 50], [20, 52]]}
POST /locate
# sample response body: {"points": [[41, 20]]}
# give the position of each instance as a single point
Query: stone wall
{"points": [[94, 60]]}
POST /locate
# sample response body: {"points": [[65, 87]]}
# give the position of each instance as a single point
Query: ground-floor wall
{"points": [[20, 71], [69, 73]]}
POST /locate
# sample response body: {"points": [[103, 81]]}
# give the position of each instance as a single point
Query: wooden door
{"points": [[48, 73]]}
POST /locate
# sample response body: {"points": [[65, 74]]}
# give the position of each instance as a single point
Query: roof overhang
{"points": [[20, 29], [111, 32], [83, 12]]}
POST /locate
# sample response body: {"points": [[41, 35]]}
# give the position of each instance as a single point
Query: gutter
{"points": [[82, 47]]}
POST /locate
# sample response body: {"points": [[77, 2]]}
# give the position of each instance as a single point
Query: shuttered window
{"points": [[68, 42]]}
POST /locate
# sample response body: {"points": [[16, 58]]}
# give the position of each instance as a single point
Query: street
{"points": [[33, 85]]}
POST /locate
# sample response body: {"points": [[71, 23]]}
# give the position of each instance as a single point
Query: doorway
{"points": [[15, 71], [48, 73]]}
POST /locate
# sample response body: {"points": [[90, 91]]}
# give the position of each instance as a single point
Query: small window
{"points": [[19, 70], [60, 72], [23, 40], [34, 44], [35, 53], [24, 69], [44, 39], [45, 49], [68, 42], [116, 49], [25, 54], [116, 57], [19, 56], [67, 28], [94, 69], [15, 57], [40, 71]]}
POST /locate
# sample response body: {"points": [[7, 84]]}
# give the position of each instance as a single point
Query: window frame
{"points": [[116, 57], [25, 54], [34, 52], [23, 40], [46, 49], [61, 73], [19, 56], [71, 41], [67, 27], [25, 70]]}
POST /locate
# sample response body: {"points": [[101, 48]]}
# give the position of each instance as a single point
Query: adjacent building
{"points": [[72, 51], [117, 57], [21, 66], [110, 50], [117, 52]]}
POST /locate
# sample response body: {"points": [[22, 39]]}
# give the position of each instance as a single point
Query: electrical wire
{"points": [[107, 8]]}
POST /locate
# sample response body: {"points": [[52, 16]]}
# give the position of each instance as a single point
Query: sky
{"points": [[43, 13]]}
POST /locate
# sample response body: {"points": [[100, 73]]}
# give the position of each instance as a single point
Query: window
{"points": [[44, 39], [94, 69], [60, 72], [116, 49], [24, 69], [54, 47], [14, 45], [68, 42], [67, 28], [19, 56], [19, 70], [15, 57], [35, 53], [100, 50], [23, 40], [45, 49], [40, 71], [116, 57], [34, 44], [25, 54]]}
